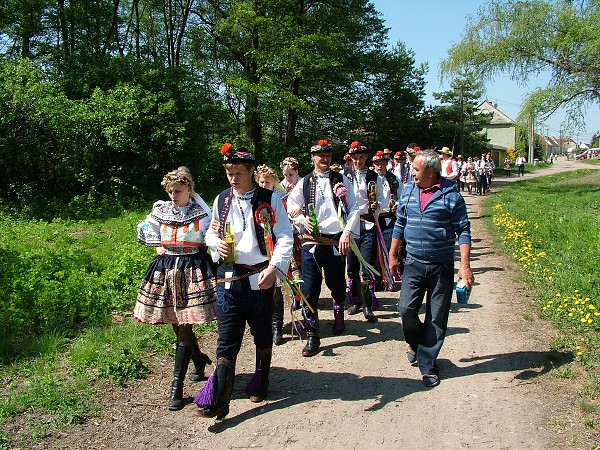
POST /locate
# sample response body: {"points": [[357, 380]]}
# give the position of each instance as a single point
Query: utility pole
{"points": [[531, 137], [462, 121]]}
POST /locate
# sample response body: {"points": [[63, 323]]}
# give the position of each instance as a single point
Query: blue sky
{"points": [[431, 27]]}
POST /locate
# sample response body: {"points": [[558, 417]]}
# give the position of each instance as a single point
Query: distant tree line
{"points": [[100, 97]]}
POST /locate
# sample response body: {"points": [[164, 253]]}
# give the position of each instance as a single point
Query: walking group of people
{"points": [[373, 227]]}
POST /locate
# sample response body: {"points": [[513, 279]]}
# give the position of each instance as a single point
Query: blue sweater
{"points": [[431, 235]]}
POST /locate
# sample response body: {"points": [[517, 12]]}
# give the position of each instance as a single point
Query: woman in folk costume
{"points": [[254, 242], [289, 166], [179, 286]]}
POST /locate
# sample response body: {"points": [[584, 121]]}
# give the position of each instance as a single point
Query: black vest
{"points": [[370, 177], [261, 195], [393, 182], [309, 186]]}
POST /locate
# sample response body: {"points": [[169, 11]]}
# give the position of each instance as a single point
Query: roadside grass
{"points": [[550, 227], [69, 288]]}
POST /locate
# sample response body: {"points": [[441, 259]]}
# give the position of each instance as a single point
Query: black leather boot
{"points": [[277, 322], [353, 296], [223, 387], [312, 340], [365, 296], [338, 318], [259, 385], [200, 361], [182, 360]]}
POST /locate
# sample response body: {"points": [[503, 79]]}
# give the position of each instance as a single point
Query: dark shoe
{"points": [[369, 314], [218, 412], [200, 361], [258, 387], [277, 323], [312, 346], [411, 355], [431, 380], [220, 385], [338, 317], [352, 298], [182, 361], [353, 309]]}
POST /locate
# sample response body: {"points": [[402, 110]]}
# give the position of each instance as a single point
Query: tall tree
{"points": [[288, 55], [396, 98], [457, 120], [528, 38]]}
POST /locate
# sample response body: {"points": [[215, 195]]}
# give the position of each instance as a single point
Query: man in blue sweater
{"points": [[431, 216]]}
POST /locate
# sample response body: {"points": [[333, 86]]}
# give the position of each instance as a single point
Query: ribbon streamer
{"points": [[382, 254]]}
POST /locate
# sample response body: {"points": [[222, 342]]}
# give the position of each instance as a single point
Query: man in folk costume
{"points": [[325, 238], [450, 169], [388, 191], [400, 165], [411, 152], [262, 244], [364, 184]]}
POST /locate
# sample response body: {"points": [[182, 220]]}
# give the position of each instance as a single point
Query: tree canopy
{"points": [[101, 97], [527, 38]]}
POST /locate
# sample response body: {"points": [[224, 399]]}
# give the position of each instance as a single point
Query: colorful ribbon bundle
{"points": [[382, 255]]}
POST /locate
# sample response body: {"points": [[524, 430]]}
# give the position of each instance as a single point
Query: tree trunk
{"points": [[292, 118]]}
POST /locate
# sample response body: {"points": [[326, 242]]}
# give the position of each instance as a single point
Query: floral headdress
{"points": [[399, 155], [381, 156], [263, 169], [237, 155], [357, 147], [289, 162], [321, 147], [175, 178]]}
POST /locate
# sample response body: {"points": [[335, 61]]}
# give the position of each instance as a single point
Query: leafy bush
{"points": [[63, 275]]}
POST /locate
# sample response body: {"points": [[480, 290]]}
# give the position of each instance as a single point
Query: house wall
{"points": [[501, 135]]}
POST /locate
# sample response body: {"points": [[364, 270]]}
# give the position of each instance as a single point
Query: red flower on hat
{"points": [[225, 148], [354, 144], [323, 143], [379, 153], [416, 149]]}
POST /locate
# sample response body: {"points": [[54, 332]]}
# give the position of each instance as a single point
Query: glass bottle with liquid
{"points": [[229, 239], [312, 217]]}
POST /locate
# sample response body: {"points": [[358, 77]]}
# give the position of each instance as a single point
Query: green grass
{"points": [[68, 291], [550, 227]]}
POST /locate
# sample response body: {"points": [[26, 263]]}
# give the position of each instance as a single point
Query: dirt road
{"points": [[359, 392]]}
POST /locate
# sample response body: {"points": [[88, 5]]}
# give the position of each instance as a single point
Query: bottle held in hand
{"points": [[230, 241], [312, 217], [392, 204]]}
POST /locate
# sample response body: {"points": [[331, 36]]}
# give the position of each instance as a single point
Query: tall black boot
{"points": [[221, 389], [365, 296], [313, 342], [200, 361], [353, 297], [182, 360], [259, 385], [277, 322]]}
